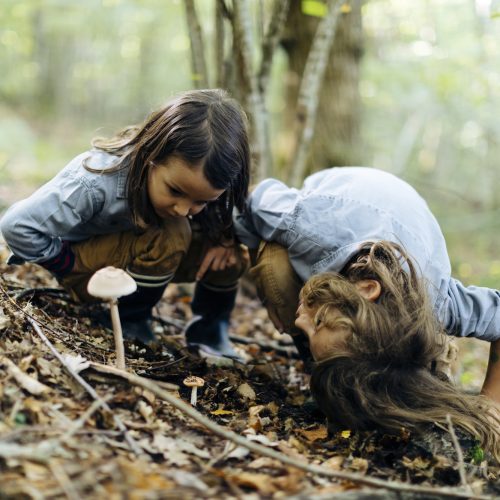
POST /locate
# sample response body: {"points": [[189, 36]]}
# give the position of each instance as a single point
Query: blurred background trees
{"points": [[409, 87]]}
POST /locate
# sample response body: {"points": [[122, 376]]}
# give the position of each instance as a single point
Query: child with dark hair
{"points": [[375, 340], [294, 234], [156, 200]]}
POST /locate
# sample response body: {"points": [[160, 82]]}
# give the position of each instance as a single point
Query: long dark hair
{"points": [[382, 377], [204, 126]]}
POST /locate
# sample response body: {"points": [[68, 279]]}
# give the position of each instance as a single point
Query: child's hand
{"points": [[217, 259]]}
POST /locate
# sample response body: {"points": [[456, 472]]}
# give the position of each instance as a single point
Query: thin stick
{"points": [[133, 445], [460, 455], [262, 450], [64, 481]]}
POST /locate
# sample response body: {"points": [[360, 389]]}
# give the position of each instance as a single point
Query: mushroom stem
{"points": [[194, 390], [117, 332]]}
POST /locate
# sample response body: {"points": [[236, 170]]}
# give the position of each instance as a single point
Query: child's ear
{"points": [[369, 289]]}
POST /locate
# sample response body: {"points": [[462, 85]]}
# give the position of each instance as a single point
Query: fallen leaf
{"points": [[359, 464], [314, 434], [334, 463], [245, 391], [261, 482], [221, 411]]}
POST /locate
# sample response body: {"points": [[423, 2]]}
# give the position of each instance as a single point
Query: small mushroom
{"points": [[110, 283], [194, 383]]}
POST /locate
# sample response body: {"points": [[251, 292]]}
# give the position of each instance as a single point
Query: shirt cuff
{"points": [[61, 264]]}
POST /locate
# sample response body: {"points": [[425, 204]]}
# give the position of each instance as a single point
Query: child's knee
{"points": [[161, 250], [277, 284]]}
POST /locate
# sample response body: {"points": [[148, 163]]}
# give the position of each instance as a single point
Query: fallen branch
{"points": [[262, 450]]}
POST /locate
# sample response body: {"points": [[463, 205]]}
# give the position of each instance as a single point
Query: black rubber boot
{"points": [[209, 328], [136, 312]]}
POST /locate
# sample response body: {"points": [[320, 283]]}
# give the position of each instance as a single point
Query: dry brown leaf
{"points": [[416, 463], [314, 434], [334, 463], [360, 464], [246, 392], [260, 482]]}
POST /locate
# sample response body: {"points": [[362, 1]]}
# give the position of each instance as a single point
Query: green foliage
{"points": [[429, 84], [315, 8]]}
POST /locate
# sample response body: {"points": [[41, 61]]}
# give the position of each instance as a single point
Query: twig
{"points": [[43, 290], [78, 424], [177, 323], [262, 450], [64, 481], [111, 371], [133, 445], [27, 382], [266, 346], [460, 455]]}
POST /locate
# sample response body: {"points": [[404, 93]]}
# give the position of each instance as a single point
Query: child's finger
{"points": [[205, 266]]}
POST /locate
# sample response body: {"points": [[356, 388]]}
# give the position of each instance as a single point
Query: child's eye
{"points": [[173, 191]]}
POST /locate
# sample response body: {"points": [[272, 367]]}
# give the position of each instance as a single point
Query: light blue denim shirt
{"points": [[73, 206], [324, 223]]}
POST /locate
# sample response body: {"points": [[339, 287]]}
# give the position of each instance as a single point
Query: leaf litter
{"points": [[56, 442]]}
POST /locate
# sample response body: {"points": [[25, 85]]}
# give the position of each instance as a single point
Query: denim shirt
{"points": [[324, 223], [73, 206]]}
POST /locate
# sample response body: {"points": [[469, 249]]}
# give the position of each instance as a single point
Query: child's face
{"points": [[178, 189], [323, 341]]}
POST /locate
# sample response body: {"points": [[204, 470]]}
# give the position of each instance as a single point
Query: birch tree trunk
{"points": [[242, 29], [199, 74]]}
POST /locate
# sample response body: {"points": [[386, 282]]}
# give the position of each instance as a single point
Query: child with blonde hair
{"points": [[375, 340], [294, 234]]}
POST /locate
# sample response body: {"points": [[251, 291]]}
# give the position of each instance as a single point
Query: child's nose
{"points": [[182, 209]]}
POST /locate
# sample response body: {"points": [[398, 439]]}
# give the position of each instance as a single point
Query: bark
{"points": [[253, 99], [336, 132], [220, 78], [199, 73], [271, 39]]}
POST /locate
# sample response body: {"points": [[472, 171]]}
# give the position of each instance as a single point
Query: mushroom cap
{"points": [[111, 283], [193, 381]]}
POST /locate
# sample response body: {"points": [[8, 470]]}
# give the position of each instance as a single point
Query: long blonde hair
{"points": [[382, 377]]}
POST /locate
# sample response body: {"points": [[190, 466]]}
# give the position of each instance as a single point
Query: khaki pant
{"points": [[278, 286], [173, 252]]}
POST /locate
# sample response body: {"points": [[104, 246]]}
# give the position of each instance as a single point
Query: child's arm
{"points": [[35, 228], [491, 386], [472, 311]]}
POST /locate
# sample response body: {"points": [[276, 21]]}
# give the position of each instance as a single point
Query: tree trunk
{"points": [[336, 134]]}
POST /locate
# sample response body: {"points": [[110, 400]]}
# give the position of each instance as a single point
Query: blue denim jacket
{"points": [[324, 223], [73, 206]]}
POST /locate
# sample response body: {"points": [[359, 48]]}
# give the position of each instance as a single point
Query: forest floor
{"points": [[127, 441]]}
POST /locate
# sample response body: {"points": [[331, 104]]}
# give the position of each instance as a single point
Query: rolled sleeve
{"points": [[472, 311]]}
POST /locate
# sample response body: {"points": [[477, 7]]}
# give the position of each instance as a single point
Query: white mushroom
{"points": [[194, 383], [110, 283]]}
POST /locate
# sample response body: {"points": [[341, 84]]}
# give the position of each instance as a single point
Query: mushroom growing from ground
{"points": [[194, 383], [110, 283]]}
